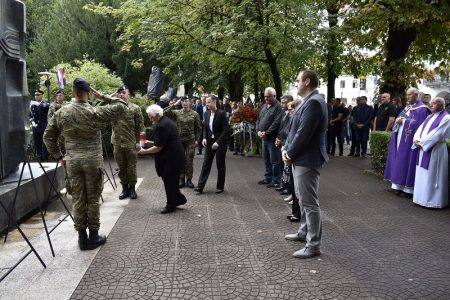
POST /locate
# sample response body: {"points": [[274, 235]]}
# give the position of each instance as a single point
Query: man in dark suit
{"points": [[201, 110], [169, 156], [305, 149], [215, 141]]}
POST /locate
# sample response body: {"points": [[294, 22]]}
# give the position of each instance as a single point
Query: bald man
{"points": [[386, 113], [401, 160]]}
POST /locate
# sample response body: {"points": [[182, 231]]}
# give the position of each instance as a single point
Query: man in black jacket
{"points": [[362, 116], [267, 127], [215, 141]]}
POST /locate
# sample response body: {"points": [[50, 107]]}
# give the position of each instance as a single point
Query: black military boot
{"points": [[133, 194], [82, 239], [189, 183], [182, 183], [125, 192], [95, 239]]}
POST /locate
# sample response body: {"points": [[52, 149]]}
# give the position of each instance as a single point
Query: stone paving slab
{"points": [[231, 246]]}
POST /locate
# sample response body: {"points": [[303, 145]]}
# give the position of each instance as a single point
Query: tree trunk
{"points": [[332, 55], [395, 71], [256, 87], [220, 92], [272, 62], [235, 85]]}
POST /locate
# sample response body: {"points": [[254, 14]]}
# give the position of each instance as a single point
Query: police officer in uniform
{"points": [[80, 123], [125, 138], [189, 128], [38, 118]]}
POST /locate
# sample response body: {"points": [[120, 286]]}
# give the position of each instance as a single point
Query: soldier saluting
{"points": [[125, 138], [189, 128], [79, 123]]}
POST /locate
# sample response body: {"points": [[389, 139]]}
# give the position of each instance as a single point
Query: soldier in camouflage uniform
{"points": [[189, 128], [125, 138], [54, 107], [79, 123]]}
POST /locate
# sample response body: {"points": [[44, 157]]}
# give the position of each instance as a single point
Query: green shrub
{"points": [[379, 144]]}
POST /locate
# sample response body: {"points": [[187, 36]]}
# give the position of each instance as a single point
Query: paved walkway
{"points": [[231, 246]]}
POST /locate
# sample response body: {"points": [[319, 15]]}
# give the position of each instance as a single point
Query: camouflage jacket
{"points": [[126, 129], [188, 123], [80, 123], [52, 110]]}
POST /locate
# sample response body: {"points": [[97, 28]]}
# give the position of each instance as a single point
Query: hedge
{"points": [[379, 145]]}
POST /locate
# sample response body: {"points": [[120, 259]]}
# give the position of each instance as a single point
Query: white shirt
{"points": [[211, 120]]}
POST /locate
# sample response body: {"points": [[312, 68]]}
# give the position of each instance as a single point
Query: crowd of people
{"points": [[297, 137]]}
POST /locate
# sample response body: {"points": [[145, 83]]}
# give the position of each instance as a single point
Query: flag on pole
{"points": [[61, 78]]}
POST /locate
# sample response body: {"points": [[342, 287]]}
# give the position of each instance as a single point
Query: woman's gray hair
{"points": [[155, 110]]}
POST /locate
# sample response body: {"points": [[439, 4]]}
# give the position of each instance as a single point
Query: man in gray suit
{"points": [[305, 149]]}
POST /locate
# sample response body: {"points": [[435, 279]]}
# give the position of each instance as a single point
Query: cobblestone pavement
{"points": [[231, 246]]}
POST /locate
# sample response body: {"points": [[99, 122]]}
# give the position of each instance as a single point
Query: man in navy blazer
{"points": [[305, 149]]}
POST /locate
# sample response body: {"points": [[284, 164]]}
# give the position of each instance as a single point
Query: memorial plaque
{"points": [[13, 86]]}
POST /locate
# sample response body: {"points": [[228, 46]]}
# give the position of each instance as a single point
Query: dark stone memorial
{"points": [[155, 83], [13, 86]]}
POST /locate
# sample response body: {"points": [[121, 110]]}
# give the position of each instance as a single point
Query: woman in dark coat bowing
{"points": [[169, 156]]}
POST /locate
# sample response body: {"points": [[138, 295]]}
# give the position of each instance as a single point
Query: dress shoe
{"points": [[261, 182], [294, 219], [167, 210], [182, 201], [95, 240], [125, 192], [280, 188], [199, 153], [235, 153], [181, 183], [295, 237], [285, 192], [306, 253], [198, 190], [133, 194], [219, 191], [288, 199], [350, 154], [273, 185], [189, 184]]}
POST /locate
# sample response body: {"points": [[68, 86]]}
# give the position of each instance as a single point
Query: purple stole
{"points": [[427, 154]]}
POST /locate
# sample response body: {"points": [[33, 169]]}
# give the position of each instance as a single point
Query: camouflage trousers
{"points": [[189, 153], [86, 180], [126, 159]]}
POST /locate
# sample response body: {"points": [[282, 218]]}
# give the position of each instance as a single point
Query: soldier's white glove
{"points": [[138, 146], [204, 142]]}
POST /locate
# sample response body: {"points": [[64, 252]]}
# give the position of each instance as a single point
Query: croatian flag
{"points": [[60, 77]]}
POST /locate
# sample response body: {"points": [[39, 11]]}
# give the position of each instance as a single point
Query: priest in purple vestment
{"points": [[401, 159]]}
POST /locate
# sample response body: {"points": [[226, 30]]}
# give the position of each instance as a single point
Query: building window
{"points": [[355, 84], [362, 84], [342, 84]]}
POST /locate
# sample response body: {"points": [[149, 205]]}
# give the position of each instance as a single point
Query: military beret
{"points": [[38, 92], [184, 98], [122, 88], [82, 84]]}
